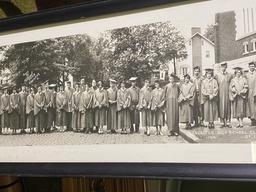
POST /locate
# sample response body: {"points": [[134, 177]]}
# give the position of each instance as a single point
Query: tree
{"points": [[210, 33], [51, 59], [138, 50]]}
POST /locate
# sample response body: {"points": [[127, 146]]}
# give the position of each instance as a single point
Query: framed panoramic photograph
{"points": [[164, 89]]}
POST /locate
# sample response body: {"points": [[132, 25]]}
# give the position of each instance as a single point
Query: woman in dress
{"points": [[238, 90], [123, 104], [75, 111], [85, 109], [186, 101], [30, 111], [157, 103], [209, 93]]}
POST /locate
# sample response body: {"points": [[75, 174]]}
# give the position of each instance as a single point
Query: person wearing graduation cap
{"points": [[100, 104], [145, 105], [68, 107], [52, 87], [85, 109], [238, 91], [157, 104], [171, 95], [112, 106], [210, 101], [197, 106], [14, 111], [123, 104], [5, 104], [251, 105], [39, 102], [48, 107], [223, 78], [82, 84], [186, 101], [76, 118], [61, 101], [30, 111], [22, 105], [135, 114], [93, 90]]}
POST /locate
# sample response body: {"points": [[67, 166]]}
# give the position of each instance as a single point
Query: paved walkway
{"points": [[72, 138]]}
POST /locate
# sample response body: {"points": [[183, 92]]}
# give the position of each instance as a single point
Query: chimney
{"points": [[195, 30]]}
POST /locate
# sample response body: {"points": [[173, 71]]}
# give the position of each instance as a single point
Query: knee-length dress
{"points": [[14, 111], [238, 95], [30, 111], [186, 101], [39, 101], [100, 104], [5, 102], [85, 109], [61, 101], [123, 104], [145, 106], [209, 99], [112, 109], [22, 109], [157, 103], [76, 118]]}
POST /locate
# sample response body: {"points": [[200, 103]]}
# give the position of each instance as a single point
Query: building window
{"points": [[246, 47], [202, 42], [208, 54], [190, 42], [253, 45], [184, 70]]}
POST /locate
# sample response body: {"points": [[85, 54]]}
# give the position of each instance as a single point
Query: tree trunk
{"points": [[174, 65]]}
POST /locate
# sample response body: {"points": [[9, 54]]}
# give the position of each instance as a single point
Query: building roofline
{"points": [[247, 35], [197, 33]]}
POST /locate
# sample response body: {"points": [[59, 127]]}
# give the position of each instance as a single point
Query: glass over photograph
{"points": [[182, 74]]}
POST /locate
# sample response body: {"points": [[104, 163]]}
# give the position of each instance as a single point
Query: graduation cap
{"points": [[112, 81], [208, 70], [157, 81], [196, 67], [187, 76], [224, 64], [133, 78], [52, 85], [174, 76], [5, 87], [238, 68], [251, 63]]}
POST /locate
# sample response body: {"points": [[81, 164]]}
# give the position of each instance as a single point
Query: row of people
{"points": [[83, 108], [225, 95], [192, 101]]}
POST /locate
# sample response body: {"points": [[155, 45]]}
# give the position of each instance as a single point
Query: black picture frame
{"points": [[80, 10], [129, 170], [185, 171]]}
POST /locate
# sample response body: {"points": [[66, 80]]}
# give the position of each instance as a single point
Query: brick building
{"points": [[235, 37]]}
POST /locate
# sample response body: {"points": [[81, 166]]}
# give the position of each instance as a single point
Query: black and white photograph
{"points": [[175, 75]]}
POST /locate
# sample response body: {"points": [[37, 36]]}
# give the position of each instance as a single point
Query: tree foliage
{"points": [[210, 33], [118, 53], [52, 59], [138, 50]]}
